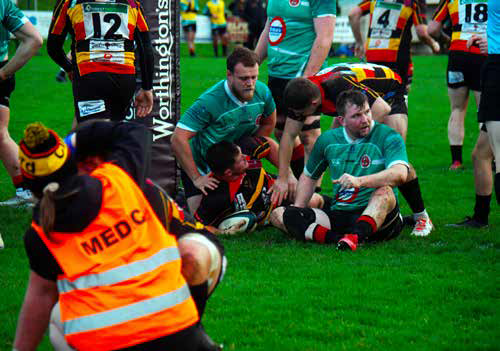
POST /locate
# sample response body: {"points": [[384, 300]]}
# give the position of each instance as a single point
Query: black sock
{"points": [[216, 50], [497, 187], [411, 192], [482, 208], [200, 296], [364, 227], [224, 50], [456, 153]]}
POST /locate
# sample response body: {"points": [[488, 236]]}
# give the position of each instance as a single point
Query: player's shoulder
{"points": [[383, 132], [331, 136], [262, 90]]}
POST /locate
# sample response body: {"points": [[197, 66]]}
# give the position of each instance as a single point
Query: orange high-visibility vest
{"points": [[121, 283]]}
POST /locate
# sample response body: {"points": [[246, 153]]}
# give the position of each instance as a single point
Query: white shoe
{"points": [[1, 242], [23, 197], [423, 226]]}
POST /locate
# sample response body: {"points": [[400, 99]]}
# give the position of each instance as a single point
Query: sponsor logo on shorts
{"points": [[365, 161], [277, 31], [106, 45], [91, 107], [294, 3], [455, 77]]}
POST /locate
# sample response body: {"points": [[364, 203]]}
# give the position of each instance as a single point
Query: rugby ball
{"points": [[247, 219]]}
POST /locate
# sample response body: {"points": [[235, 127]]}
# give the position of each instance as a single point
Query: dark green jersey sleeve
{"points": [[317, 162], [320, 8]]}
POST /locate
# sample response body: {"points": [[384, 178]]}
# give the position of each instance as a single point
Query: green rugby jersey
{"points": [[291, 34], [381, 149], [12, 19], [218, 115]]}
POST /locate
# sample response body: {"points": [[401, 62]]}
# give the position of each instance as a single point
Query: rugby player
{"points": [[244, 182], [385, 92], [16, 23], [488, 144], [104, 37], [366, 160], [216, 10], [233, 108], [464, 63], [297, 38], [389, 34], [189, 9]]}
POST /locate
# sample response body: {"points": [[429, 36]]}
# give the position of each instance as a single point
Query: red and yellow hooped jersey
{"points": [[468, 17], [390, 25], [102, 31]]}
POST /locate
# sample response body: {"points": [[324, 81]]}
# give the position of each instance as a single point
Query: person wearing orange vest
{"points": [[96, 246]]}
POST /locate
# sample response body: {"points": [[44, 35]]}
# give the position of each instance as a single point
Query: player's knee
{"points": [[276, 218], [385, 194], [412, 174], [296, 221]]}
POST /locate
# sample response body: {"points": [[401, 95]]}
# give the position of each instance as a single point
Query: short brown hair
{"points": [[350, 97], [241, 55], [299, 93]]}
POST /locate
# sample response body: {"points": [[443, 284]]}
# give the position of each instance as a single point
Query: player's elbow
{"points": [[433, 29]]}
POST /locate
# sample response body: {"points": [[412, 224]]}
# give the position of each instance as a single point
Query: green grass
{"points": [[439, 293]]}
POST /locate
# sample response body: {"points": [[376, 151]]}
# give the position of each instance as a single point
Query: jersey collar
{"points": [[232, 96], [356, 141]]}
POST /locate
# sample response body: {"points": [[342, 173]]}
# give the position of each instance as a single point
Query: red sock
{"points": [[17, 180]]}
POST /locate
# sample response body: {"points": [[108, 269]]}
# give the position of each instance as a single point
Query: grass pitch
{"points": [[440, 292]]}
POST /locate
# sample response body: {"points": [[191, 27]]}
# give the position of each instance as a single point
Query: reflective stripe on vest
{"points": [[121, 273], [129, 312]]}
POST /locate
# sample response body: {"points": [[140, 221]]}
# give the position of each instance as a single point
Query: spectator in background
{"points": [[15, 22], [215, 9], [464, 65], [237, 8], [255, 14], [189, 9]]}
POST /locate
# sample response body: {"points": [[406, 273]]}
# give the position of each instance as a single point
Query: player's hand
{"points": [[206, 182], [143, 102], [281, 189], [347, 181], [70, 75], [481, 42], [436, 48], [359, 50]]}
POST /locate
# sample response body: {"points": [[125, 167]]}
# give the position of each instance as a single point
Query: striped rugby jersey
{"points": [[102, 32], [468, 17]]}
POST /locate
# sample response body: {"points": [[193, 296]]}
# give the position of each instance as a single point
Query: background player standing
{"points": [[189, 9], [389, 33], [15, 22], [464, 63], [216, 10], [104, 37], [297, 38]]}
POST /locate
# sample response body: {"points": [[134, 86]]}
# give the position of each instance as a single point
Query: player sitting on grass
{"points": [[366, 161], [243, 181]]}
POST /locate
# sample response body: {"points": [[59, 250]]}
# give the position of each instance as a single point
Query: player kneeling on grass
{"points": [[202, 255], [366, 161], [243, 182]]}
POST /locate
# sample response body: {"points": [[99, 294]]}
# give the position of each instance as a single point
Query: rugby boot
{"points": [[457, 166], [61, 77], [469, 222], [349, 242], [409, 221], [423, 226], [23, 198]]}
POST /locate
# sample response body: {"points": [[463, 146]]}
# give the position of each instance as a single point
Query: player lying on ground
{"points": [[243, 182], [307, 96], [366, 161]]}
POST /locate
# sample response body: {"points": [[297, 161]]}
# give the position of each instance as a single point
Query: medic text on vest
{"points": [[112, 234]]}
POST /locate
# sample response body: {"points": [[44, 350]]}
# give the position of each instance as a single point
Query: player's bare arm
{"points": [[261, 48], [182, 151], [380, 109], [423, 35], [30, 42], [267, 125], [286, 183], [393, 177], [324, 27], [355, 22], [143, 102]]}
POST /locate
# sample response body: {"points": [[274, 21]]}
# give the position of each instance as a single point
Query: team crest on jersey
{"points": [[277, 31], [347, 195], [365, 161], [294, 3]]}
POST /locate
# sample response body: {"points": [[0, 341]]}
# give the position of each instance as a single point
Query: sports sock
{"points": [[17, 181], [323, 235], [200, 296], [297, 161], [224, 50], [497, 187], [364, 227], [216, 50], [411, 192], [482, 208], [456, 153]]}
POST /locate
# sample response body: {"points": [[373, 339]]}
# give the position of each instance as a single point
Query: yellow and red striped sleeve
{"points": [[59, 17], [365, 6], [441, 12]]}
